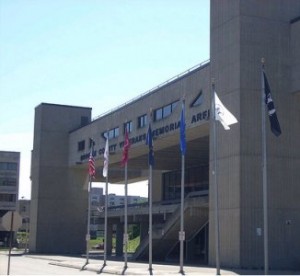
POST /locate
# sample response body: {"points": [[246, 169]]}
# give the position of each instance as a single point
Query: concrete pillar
{"points": [[109, 239], [144, 229], [119, 239], [242, 32], [58, 201]]}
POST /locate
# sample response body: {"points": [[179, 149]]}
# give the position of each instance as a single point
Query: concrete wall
{"points": [[295, 55], [58, 203], [242, 32], [188, 86]]}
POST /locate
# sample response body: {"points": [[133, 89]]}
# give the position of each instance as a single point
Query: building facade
{"points": [[24, 211], [98, 207], [242, 32], [9, 185]]}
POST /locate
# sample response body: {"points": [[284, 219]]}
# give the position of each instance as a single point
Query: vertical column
{"points": [[119, 239], [144, 228], [109, 239]]}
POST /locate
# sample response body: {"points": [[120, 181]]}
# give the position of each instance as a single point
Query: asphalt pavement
{"points": [[138, 268]]}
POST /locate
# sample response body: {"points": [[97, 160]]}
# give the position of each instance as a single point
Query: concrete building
{"points": [[24, 211], [242, 32], [114, 202], [9, 185], [118, 200]]}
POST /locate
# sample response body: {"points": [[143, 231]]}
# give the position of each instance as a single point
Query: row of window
{"points": [[81, 145], [142, 121], [8, 198], [128, 126], [196, 179], [8, 166], [8, 181]]}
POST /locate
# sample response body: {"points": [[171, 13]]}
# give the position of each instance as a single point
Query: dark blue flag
{"points": [[149, 142], [275, 127], [182, 130]]}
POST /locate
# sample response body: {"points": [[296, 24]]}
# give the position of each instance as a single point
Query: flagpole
{"points": [[92, 173], [124, 163], [149, 142], [182, 234], [150, 217], [105, 221], [214, 172], [125, 221], [183, 149], [88, 221], [264, 171], [105, 174]]}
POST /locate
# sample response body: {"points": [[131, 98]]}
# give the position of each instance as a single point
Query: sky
{"points": [[91, 53]]}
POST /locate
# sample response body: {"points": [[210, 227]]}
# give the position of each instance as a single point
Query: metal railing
{"points": [[161, 232]]}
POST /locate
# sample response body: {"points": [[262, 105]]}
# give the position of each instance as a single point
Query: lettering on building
{"points": [[201, 116]]}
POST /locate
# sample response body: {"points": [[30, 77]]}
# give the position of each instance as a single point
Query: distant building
{"points": [[24, 211], [98, 204], [118, 200], [9, 185]]}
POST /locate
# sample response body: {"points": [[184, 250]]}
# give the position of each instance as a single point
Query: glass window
{"points": [[164, 111], [158, 114], [112, 133], [167, 110], [196, 179], [8, 197], [198, 100], [81, 145], [8, 182], [174, 105], [142, 121], [128, 126], [92, 143], [8, 166]]}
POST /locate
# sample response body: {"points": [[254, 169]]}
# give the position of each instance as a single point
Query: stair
{"points": [[165, 238]]}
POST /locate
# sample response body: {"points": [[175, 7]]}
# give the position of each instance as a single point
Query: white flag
{"points": [[223, 114], [106, 159]]}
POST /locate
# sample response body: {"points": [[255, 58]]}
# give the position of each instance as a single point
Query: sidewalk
{"points": [[137, 268]]}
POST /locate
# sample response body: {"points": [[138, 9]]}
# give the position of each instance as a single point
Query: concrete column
{"points": [[109, 238], [144, 229], [119, 239]]}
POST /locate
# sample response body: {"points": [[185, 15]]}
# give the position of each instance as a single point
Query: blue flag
{"points": [[275, 127], [149, 142], [182, 130]]}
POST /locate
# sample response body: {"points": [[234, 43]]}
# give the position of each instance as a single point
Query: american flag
{"points": [[92, 170]]}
